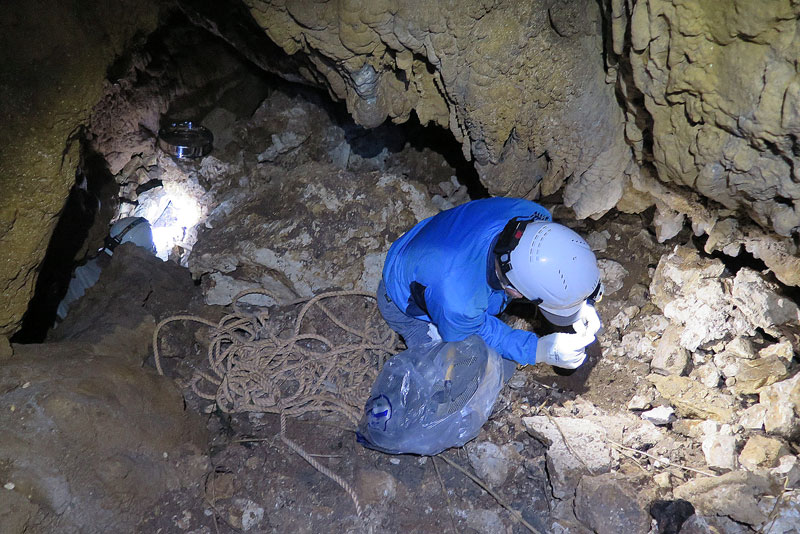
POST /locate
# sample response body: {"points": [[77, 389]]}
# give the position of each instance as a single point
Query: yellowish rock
{"points": [[692, 399], [761, 452]]}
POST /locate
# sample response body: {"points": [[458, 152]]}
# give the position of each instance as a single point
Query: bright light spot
{"points": [[173, 214]]}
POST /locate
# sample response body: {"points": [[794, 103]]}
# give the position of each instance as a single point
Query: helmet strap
{"points": [[110, 243]]}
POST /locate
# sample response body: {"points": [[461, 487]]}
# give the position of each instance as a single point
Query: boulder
{"points": [[670, 358], [734, 494], [754, 375], [692, 399], [303, 239], [761, 452], [608, 504], [574, 447], [89, 438], [782, 401]]}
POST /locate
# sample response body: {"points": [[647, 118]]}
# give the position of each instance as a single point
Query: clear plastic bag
{"points": [[432, 397]]}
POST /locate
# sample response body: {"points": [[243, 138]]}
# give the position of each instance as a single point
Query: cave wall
{"points": [[521, 85], [721, 99], [53, 57]]}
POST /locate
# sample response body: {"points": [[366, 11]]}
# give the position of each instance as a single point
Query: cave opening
{"points": [[262, 125]]}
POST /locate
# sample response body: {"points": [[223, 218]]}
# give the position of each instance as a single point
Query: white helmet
{"points": [[554, 266], [134, 230]]}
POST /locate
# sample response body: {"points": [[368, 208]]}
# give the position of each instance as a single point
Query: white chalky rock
{"points": [[491, 462], [660, 415], [719, 445], [574, 447]]}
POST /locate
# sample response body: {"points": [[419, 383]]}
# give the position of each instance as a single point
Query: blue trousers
{"points": [[417, 332]]}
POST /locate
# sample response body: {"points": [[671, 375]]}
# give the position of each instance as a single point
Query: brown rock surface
{"points": [[88, 438], [54, 62]]}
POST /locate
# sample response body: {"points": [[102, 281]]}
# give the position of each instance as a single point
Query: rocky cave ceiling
{"points": [[691, 107]]}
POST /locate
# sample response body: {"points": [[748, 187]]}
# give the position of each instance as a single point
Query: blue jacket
{"points": [[442, 271]]}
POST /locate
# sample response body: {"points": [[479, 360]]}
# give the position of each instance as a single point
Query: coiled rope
{"points": [[254, 367]]}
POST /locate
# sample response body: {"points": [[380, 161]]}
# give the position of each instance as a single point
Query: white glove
{"points": [[588, 322], [563, 350]]}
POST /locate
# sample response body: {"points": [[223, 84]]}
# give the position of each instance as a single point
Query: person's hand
{"points": [[588, 322], [563, 350]]}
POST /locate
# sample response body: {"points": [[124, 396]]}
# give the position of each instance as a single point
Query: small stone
{"points": [[789, 469], [708, 374], [756, 374], [761, 452], [643, 436], [598, 241], [606, 502], [741, 347], [753, 417], [660, 415], [640, 402], [613, 275], [394, 461], [491, 462], [376, 486], [692, 399], [9, 486], [670, 357], [663, 480], [252, 514], [719, 446], [782, 350]]}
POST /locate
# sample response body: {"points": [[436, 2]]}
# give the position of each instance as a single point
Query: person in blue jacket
{"points": [[452, 274]]}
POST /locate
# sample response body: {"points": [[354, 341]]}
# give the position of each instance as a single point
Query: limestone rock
{"points": [[608, 504], [670, 357], [89, 438], [782, 401], [451, 67], [492, 463], [782, 350], [281, 244], [687, 286], [788, 469], [708, 374], [753, 375], [692, 399], [660, 415], [761, 452], [587, 451], [733, 494], [753, 417], [642, 436], [719, 446], [612, 274], [727, 136], [760, 301]]}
